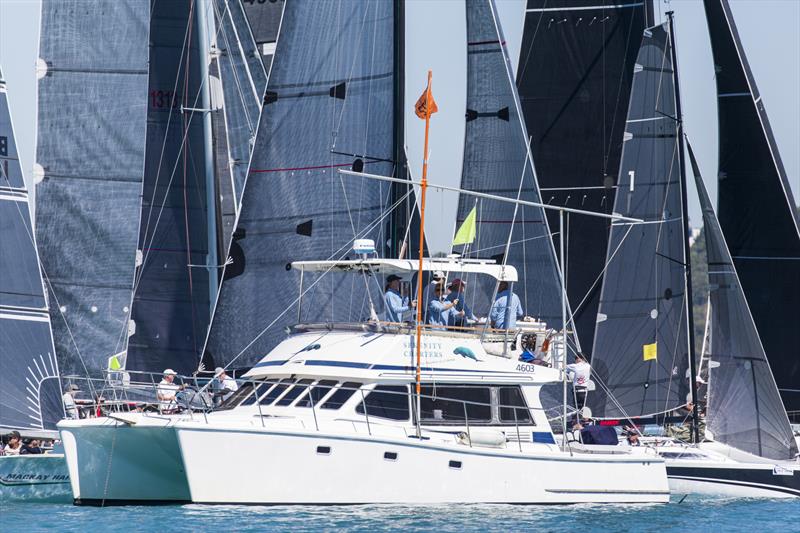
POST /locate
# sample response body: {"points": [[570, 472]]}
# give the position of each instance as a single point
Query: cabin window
{"points": [[446, 404], [386, 401], [341, 395], [260, 389], [299, 388], [511, 403], [276, 391], [317, 393], [236, 398]]}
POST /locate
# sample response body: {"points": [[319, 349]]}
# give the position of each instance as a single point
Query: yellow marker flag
{"points": [[113, 363], [649, 352], [466, 233]]}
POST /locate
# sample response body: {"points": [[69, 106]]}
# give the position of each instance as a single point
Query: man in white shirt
{"points": [[167, 391], [70, 408], [579, 373], [223, 385]]}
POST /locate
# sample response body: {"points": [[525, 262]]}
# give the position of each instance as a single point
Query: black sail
{"points": [[744, 408], [640, 346], [756, 209], [172, 299], [497, 161], [329, 95], [574, 79]]}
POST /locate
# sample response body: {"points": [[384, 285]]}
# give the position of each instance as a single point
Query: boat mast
{"points": [[423, 187], [401, 218], [687, 251]]}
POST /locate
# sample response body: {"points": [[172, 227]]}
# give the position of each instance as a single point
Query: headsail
{"points": [[640, 346], [497, 161], [744, 408], [756, 207], [328, 105], [574, 78], [30, 396], [92, 117]]}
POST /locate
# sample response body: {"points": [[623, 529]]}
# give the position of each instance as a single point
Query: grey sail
{"points": [[757, 211], [92, 116], [242, 79], [177, 237], [329, 93], [264, 19], [497, 161], [744, 408], [643, 300], [30, 395]]}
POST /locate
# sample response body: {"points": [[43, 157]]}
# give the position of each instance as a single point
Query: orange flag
{"points": [[420, 108]]}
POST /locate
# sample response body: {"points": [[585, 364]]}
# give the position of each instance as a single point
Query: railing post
{"points": [[466, 422], [313, 410], [516, 424], [258, 403], [366, 415]]}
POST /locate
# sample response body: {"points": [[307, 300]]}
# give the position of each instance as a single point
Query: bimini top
{"points": [[409, 266]]}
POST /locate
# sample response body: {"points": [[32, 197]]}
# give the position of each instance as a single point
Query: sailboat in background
{"points": [[757, 211], [30, 391]]}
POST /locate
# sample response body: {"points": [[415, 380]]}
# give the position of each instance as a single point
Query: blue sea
{"points": [[692, 514]]}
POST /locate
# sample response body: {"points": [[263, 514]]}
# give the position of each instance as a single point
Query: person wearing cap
{"points": [[395, 304], [461, 314], [167, 390], [14, 446], [506, 308], [579, 372], [438, 311], [223, 385], [70, 408], [430, 292]]}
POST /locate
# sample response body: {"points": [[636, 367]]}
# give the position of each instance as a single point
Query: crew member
{"points": [[506, 308], [395, 304]]}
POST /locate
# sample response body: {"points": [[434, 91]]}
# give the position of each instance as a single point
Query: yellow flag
{"points": [[113, 363], [466, 233], [649, 352]]}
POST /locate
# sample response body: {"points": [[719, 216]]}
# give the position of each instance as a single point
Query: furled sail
{"points": [[30, 395], [744, 408], [497, 161], [574, 79], [93, 99], [756, 209], [177, 238], [328, 105], [641, 346]]}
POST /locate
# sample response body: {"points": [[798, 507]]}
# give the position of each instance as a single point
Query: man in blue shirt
{"points": [[461, 314], [438, 310], [505, 306], [394, 303]]}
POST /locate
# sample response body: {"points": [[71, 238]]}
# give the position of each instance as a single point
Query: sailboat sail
{"points": [[92, 117], [264, 19], [328, 105], [744, 408], [640, 345], [172, 299], [497, 161], [574, 78], [756, 207], [30, 395]]}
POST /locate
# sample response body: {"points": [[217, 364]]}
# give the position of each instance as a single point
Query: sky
{"points": [[768, 29]]}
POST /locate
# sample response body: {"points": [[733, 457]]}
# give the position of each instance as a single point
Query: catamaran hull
{"points": [[35, 478], [318, 468], [743, 481], [111, 462]]}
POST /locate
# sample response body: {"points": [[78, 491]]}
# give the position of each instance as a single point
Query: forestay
{"points": [[29, 384], [640, 346], [744, 408], [329, 96], [497, 161], [574, 77], [92, 116], [756, 209]]}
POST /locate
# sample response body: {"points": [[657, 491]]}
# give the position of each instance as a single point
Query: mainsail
{"points": [[92, 116], [328, 105], [756, 207], [744, 407], [574, 79], [640, 350], [497, 161], [30, 395]]}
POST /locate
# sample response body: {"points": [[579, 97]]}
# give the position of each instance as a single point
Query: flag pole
{"points": [[423, 187]]}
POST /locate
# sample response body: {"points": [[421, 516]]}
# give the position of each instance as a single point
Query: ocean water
{"points": [[692, 514]]}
